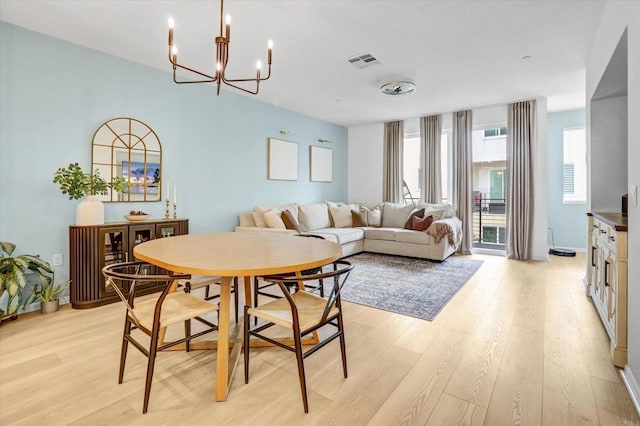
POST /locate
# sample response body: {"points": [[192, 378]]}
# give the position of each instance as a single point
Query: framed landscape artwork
{"points": [[139, 181], [283, 160]]}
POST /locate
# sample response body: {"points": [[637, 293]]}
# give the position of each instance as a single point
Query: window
{"points": [[495, 132], [411, 168], [574, 166], [412, 173]]}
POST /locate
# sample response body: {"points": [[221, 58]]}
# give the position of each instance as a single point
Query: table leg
{"points": [[222, 367]]}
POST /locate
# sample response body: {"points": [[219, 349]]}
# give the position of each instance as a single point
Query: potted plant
{"points": [[13, 277], [49, 294], [78, 184]]}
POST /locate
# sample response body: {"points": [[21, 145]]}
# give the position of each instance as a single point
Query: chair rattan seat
{"points": [[310, 310], [177, 308]]}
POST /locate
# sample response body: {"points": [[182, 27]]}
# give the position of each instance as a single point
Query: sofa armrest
{"points": [[273, 230]]}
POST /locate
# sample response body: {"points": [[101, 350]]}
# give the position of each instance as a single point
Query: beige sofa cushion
{"points": [[413, 237], [273, 218], [388, 234], [342, 235], [246, 219], [448, 208], [341, 216], [372, 216], [436, 214], [258, 216], [396, 215], [313, 216]]}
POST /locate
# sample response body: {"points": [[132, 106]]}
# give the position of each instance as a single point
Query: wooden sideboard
{"points": [[95, 246], [607, 277]]}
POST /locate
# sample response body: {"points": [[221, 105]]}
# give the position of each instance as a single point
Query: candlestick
{"points": [[175, 215], [168, 193], [166, 212]]}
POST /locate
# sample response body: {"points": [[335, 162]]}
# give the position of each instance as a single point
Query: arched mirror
{"points": [[129, 148]]}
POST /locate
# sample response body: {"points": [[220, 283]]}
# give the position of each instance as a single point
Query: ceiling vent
{"points": [[363, 60], [398, 88]]}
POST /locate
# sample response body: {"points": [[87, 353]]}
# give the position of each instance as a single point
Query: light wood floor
{"points": [[519, 344]]}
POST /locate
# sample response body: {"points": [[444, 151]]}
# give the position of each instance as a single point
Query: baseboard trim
{"points": [[632, 387]]}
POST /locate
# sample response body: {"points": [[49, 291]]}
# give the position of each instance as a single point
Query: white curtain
{"points": [[430, 136], [392, 173], [463, 176], [521, 134]]}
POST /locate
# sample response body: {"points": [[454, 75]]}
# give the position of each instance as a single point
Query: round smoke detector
{"points": [[398, 88]]}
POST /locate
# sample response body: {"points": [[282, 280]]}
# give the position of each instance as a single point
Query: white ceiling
{"points": [[460, 54]]}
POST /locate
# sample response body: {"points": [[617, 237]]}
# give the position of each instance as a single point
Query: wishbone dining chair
{"points": [[150, 316]]}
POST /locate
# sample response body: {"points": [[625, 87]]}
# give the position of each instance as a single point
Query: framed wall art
{"points": [[283, 160], [321, 164]]}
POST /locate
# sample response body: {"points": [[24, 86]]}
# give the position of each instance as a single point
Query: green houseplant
{"points": [[49, 294], [13, 277], [78, 184]]}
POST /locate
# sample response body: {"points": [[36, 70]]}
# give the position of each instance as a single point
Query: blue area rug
{"points": [[414, 287]]}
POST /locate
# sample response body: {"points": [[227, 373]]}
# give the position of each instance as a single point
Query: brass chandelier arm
{"points": [[238, 80], [209, 78], [243, 89]]}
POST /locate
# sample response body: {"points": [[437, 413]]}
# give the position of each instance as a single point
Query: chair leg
{"points": [[123, 350], [246, 344], [255, 298], [187, 334], [235, 295], [343, 344], [303, 382], [153, 349], [206, 292]]}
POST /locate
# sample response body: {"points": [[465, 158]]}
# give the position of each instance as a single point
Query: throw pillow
{"points": [[313, 216], [409, 223], [396, 215], [421, 223], [292, 207], [258, 216], [436, 213], [273, 219], [290, 222], [358, 218], [341, 216], [448, 208], [373, 215]]}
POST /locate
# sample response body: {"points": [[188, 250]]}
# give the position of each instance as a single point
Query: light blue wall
{"points": [[568, 221], [54, 95]]}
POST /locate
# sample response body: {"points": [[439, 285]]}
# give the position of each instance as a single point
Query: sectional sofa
{"points": [[385, 228]]}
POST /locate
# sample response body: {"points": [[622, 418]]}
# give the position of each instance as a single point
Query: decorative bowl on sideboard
{"points": [[136, 217]]}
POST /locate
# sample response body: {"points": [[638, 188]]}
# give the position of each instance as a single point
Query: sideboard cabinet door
{"points": [[93, 247]]}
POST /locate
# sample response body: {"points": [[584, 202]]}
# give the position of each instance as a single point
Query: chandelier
{"points": [[222, 59]]}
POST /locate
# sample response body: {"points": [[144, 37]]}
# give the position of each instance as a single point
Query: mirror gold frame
{"points": [[128, 148]]}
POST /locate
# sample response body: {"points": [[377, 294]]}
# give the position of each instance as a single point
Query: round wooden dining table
{"points": [[235, 254]]}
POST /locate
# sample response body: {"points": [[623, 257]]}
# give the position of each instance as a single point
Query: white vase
{"points": [[90, 211]]}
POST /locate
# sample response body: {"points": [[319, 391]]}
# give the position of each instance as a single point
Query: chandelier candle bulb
{"points": [[174, 55], [227, 21], [270, 49], [171, 25]]}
